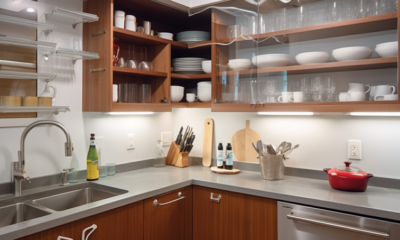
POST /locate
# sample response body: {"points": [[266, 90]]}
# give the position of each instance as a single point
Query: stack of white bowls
{"points": [[177, 93], [204, 91], [271, 60], [166, 35], [389, 49], [193, 36], [188, 65]]}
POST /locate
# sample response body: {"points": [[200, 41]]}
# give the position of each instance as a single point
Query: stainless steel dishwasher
{"points": [[296, 222]]}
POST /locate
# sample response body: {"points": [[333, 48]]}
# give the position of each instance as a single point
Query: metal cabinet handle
{"points": [[155, 203], [339, 226], [212, 199]]}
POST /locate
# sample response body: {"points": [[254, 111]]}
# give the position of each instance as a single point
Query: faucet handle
{"points": [[64, 176]]}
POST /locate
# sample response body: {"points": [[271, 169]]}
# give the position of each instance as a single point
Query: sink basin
{"points": [[19, 212], [78, 197]]}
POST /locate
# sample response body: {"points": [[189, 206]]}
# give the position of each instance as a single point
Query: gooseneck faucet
{"points": [[19, 167]]}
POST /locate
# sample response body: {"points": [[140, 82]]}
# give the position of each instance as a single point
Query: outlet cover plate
{"points": [[166, 138], [354, 149], [130, 141]]}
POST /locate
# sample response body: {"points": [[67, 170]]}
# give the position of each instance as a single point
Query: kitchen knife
{"points": [[179, 136]]}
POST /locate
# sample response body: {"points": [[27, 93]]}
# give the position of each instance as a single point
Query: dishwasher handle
{"points": [[339, 226], [155, 203]]}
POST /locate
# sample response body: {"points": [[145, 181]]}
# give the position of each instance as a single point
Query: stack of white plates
{"points": [[177, 93], [187, 65], [204, 91], [193, 36]]}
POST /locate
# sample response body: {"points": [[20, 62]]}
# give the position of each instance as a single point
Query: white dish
{"points": [[177, 87], [239, 64], [189, 58], [166, 35], [271, 60], [189, 72], [312, 58], [389, 49], [176, 98], [204, 83], [352, 53], [206, 66], [204, 97]]}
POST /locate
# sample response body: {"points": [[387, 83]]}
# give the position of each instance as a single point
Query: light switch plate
{"points": [[130, 141], [354, 149], [166, 138]]}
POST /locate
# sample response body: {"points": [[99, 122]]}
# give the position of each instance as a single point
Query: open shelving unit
{"points": [[75, 56], [191, 105], [22, 42], [74, 17], [47, 27], [26, 75], [54, 109]]}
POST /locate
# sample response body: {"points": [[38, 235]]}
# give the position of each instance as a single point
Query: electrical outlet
{"points": [[354, 149], [166, 138], [130, 143]]}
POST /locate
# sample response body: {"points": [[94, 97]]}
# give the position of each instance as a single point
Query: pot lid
{"points": [[347, 168]]}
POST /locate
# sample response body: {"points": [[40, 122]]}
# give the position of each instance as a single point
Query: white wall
{"points": [[322, 139]]}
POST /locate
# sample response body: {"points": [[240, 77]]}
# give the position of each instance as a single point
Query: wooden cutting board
{"points": [[242, 144], [208, 142]]}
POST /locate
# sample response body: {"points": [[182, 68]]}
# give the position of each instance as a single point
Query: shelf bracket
{"points": [[98, 33], [75, 24]]}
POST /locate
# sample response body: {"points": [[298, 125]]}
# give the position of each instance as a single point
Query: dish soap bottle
{"points": [[220, 156], [159, 160], [229, 157], [92, 163]]}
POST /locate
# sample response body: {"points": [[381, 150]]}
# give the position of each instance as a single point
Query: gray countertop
{"points": [[148, 182]]}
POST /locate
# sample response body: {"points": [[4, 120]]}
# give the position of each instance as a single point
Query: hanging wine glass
{"points": [[145, 65]]}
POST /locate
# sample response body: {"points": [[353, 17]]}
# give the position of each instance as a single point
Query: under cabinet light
{"points": [[31, 10], [375, 114], [288, 113], [128, 113]]}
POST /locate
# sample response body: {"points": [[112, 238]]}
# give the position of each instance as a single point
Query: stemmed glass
{"points": [[305, 87], [329, 88], [132, 63], [317, 88], [145, 65]]}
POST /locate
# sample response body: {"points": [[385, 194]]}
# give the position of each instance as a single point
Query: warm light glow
{"points": [[287, 113], [376, 114], [128, 113], [30, 10]]}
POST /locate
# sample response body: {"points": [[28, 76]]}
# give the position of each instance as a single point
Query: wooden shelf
{"points": [[365, 64], [196, 76], [139, 72], [141, 107], [191, 105], [366, 106], [328, 30]]}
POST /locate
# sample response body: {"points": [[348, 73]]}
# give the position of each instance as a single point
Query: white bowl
{"points": [[176, 97], [385, 50], [177, 87], [206, 65], [239, 64], [312, 58], [166, 35], [205, 83], [352, 53], [203, 89], [271, 60], [204, 97]]}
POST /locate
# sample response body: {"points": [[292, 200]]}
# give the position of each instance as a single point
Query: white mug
{"points": [[190, 97], [355, 96], [115, 92], [342, 97], [285, 97], [358, 87], [297, 97], [372, 93], [390, 97], [385, 90]]}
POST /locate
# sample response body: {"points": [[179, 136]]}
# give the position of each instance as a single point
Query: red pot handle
{"points": [[326, 170], [369, 175]]}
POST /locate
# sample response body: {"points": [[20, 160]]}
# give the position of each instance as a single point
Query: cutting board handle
{"points": [[247, 123]]}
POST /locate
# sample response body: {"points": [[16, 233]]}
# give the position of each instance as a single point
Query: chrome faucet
{"points": [[19, 167]]}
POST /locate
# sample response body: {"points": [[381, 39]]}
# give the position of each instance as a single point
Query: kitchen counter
{"points": [[149, 182]]}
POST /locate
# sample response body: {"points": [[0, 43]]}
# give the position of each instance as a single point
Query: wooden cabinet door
{"points": [[171, 218]]}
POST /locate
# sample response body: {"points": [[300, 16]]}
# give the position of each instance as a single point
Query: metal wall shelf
{"points": [[54, 109], [47, 27], [74, 17], [75, 56], [27, 75], [27, 43]]}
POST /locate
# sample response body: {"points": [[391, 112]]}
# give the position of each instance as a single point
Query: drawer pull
{"points": [[155, 203], [339, 226], [212, 199], [97, 70]]}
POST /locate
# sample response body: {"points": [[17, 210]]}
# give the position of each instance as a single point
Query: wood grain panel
{"points": [[191, 105]]}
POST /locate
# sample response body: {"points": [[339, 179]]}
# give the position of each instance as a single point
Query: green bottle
{"points": [[92, 168]]}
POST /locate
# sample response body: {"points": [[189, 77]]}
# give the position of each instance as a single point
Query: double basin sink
{"points": [[47, 202]]}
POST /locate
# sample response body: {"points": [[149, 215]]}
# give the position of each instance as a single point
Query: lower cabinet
{"points": [[220, 215]]}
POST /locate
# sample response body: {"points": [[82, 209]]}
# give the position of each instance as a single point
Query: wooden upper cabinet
{"points": [[235, 217], [171, 217]]}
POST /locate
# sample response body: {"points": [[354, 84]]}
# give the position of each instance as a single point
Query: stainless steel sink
{"points": [[19, 212], [78, 197]]}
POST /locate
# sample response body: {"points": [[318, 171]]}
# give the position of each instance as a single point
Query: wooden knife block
{"points": [[177, 158]]}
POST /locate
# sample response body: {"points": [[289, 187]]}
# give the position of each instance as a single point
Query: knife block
{"points": [[175, 157]]}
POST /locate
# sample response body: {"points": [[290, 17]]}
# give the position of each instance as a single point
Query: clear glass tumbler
{"points": [[73, 176], [159, 160], [133, 93], [110, 169], [317, 88], [145, 93], [103, 171]]}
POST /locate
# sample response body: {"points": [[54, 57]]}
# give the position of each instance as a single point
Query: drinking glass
{"points": [[364, 8], [334, 11], [305, 87], [110, 169], [145, 65], [349, 9], [271, 90], [102, 171], [72, 176], [253, 91], [301, 16], [145, 93], [329, 88], [132, 63], [123, 92], [133, 96], [382, 7], [262, 91], [317, 89]]}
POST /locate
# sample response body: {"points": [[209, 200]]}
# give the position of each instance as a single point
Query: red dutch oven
{"points": [[348, 178]]}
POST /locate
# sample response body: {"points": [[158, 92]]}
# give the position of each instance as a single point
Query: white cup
{"points": [[190, 97], [372, 93], [342, 97], [285, 97], [297, 97], [390, 97], [358, 87], [119, 21], [119, 13], [130, 23], [355, 96], [385, 90], [115, 92]]}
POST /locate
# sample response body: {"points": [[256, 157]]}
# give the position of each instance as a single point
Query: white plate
{"points": [[188, 72], [189, 58]]}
